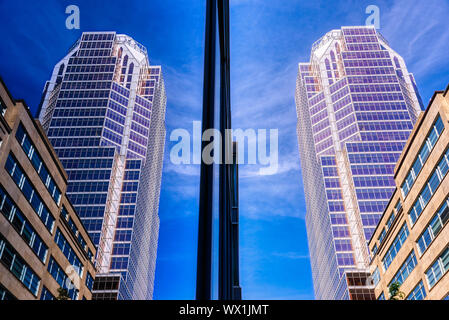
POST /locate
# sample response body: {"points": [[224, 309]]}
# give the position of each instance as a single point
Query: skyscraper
{"points": [[104, 113], [356, 105]]}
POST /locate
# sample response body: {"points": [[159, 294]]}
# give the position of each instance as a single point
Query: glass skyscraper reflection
{"points": [[104, 113], [356, 105]]}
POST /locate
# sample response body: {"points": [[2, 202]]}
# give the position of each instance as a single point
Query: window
{"points": [[374, 249], [438, 269], [69, 253], [4, 293], [433, 229], [36, 160], [18, 267], [89, 281], [21, 180], [419, 293], [390, 220], [395, 246], [427, 147], [381, 297], [2, 108], [18, 220], [406, 268], [61, 278], [46, 295], [382, 235], [376, 276], [74, 228], [430, 187]]}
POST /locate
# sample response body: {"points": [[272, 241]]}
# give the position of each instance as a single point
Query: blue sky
{"points": [[268, 39]]}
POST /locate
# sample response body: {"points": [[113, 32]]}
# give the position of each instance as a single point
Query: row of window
{"points": [[423, 154], [21, 224], [75, 132], [438, 269], [77, 122], [46, 294], [377, 193], [419, 293], [390, 125], [390, 220], [62, 279], [385, 136], [395, 246], [92, 163], [81, 103], [91, 69], [89, 174], [430, 187], [10, 258], [93, 225], [30, 193], [86, 153], [433, 229], [375, 169], [88, 77], [75, 113], [36, 160], [2, 108], [373, 158], [94, 53], [78, 85], [98, 36], [82, 94], [69, 253], [5, 294], [76, 233], [406, 268], [85, 187], [69, 142]]}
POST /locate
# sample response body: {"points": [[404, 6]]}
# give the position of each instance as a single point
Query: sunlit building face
{"points": [[104, 111], [356, 105]]}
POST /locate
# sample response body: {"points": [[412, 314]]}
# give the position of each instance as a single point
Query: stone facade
{"points": [[427, 246], [25, 233]]}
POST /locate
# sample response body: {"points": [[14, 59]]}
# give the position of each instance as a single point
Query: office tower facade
{"points": [[104, 112], [43, 244], [411, 243], [356, 105]]}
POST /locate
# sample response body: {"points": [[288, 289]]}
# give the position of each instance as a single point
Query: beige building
{"points": [[411, 242], [43, 245]]}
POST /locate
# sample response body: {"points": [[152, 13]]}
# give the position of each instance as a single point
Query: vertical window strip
{"points": [[5, 294], [424, 152], [46, 294], [21, 224], [438, 269], [89, 281], [36, 160], [18, 267], [430, 187], [419, 293], [395, 246], [24, 184], [432, 230], [406, 268], [68, 252], [61, 278]]}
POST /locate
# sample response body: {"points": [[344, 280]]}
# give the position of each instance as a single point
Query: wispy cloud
{"points": [[291, 255], [417, 30]]}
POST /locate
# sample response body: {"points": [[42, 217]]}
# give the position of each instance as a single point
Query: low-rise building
{"points": [[43, 244], [410, 245]]}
